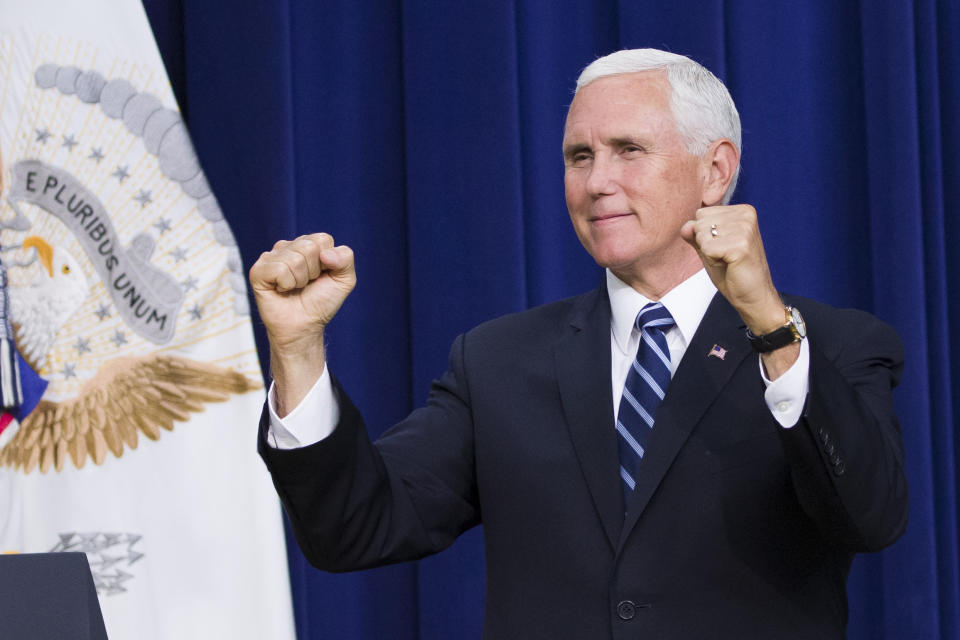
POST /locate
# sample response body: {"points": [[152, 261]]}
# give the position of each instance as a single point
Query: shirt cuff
{"points": [[311, 421], [786, 395]]}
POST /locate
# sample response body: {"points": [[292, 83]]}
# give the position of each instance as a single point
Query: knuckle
{"points": [[262, 268], [297, 257], [284, 280]]}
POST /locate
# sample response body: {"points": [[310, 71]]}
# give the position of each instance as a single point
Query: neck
{"points": [[657, 277]]}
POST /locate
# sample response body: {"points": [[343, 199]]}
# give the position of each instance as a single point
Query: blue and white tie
{"points": [[645, 387]]}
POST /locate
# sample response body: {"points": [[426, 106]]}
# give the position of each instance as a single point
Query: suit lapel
{"points": [[696, 384], [583, 374]]}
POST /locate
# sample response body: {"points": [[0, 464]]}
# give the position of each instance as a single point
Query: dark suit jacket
{"points": [[738, 528]]}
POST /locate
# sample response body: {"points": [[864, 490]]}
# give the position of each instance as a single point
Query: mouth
{"points": [[608, 217]]}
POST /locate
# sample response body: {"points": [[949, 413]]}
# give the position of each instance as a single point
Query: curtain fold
{"points": [[427, 136]]}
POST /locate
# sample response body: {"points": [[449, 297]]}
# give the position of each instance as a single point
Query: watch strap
{"points": [[780, 337]]}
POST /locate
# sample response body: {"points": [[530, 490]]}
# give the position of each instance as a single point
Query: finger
{"points": [[698, 233], [302, 259], [731, 218], [714, 242], [338, 262], [322, 240], [709, 220], [692, 233], [708, 235], [730, 241], [308, 249], [269, 273], [704, 235], [288, 266], [293, 264], [286, 272], [296, 261]]}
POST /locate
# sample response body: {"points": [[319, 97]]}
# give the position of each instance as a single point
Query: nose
{"points": [[601, 180]]}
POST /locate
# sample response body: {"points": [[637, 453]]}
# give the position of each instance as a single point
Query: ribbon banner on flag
{"points": [[129, 379]]}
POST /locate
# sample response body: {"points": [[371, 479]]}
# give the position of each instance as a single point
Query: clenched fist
{"points": [[727, 239], [299, 286]]}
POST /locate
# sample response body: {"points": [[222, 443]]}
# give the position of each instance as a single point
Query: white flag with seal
{"points": [[129, 379]]}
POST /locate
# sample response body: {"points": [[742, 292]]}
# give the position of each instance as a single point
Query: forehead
{"points": [[632, 100]]}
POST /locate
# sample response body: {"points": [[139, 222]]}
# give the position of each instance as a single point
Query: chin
{"points": [[615, 255]]}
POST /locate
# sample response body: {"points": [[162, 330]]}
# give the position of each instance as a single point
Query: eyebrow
{"points": [[617, 142], [624, 141]]}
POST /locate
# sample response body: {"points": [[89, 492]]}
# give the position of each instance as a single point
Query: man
{"points": [[726, 502]]}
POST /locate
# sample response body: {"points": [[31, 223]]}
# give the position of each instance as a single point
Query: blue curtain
{"points": [[426, 135]]}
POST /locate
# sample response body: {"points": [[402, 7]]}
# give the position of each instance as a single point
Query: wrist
{"points": [[296, 345], [791, 331], [295, 367], [764, 318], [778, 361]]}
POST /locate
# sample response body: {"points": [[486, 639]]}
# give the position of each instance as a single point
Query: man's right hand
{"points": [[299, 286]]}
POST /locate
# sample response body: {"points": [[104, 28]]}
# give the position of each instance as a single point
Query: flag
{"points": [[129, 379], [717, 352]]}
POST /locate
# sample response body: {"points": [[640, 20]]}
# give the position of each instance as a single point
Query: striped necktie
{"points": [[645, 387]]}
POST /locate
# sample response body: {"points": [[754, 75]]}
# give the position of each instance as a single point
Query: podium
{"points": [[49, 595]]}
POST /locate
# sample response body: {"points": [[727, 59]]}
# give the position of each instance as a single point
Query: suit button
{"points": [[824, 436], [829, 448], [626, 610], [839, 469]]}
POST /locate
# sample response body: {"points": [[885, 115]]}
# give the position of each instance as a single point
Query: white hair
{"points": [[701, 105]]}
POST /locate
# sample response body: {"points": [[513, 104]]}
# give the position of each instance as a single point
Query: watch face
{"points": [[798, 322]]}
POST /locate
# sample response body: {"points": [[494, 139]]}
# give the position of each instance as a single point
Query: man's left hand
{"points": [[728, 242]]}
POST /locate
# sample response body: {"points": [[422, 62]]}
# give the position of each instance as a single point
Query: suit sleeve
{"points": [[846, 457], [355, 504]]}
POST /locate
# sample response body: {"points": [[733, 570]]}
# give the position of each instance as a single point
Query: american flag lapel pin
{"points": [[717, 352]]}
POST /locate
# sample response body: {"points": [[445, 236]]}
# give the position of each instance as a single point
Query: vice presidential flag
{"points": [[129, 381]]}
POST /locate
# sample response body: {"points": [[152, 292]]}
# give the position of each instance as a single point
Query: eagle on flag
{"points": [[127, 396]]}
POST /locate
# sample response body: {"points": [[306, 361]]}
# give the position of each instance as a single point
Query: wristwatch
{"points": [[793, 331]]}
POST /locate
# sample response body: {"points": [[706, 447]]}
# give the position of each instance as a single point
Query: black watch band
{"points": [[793, 331]]}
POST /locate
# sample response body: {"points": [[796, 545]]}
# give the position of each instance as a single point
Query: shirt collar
{"points": [[687, 303]]}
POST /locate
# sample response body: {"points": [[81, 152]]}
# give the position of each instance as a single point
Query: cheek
{"points": [[686, 181], [574, 193]]}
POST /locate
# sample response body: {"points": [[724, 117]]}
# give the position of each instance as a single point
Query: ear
{"points": [[719, 166]]}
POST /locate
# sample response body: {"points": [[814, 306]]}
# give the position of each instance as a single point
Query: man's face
{"points": [[630, 182]]}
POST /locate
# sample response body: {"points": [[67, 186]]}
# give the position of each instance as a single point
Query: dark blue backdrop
{"points": [[427, 136]]}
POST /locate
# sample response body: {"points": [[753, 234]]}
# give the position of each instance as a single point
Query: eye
{"points": [[579, 158], [65, 269], [577, 154]]}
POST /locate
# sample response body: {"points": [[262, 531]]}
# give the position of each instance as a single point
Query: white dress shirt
{"points": [[317, 414]]}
